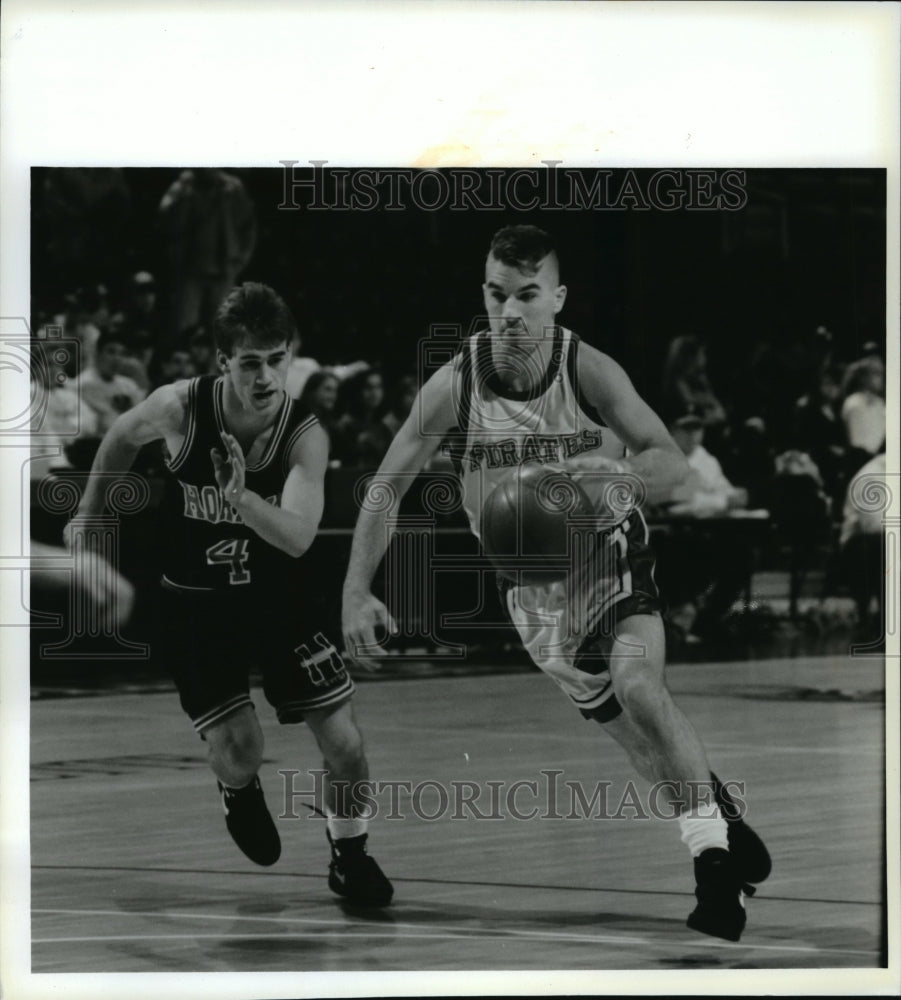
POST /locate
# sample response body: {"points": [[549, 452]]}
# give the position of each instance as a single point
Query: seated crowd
{"points": [[799, 472], [97, 361], [104, 356]]}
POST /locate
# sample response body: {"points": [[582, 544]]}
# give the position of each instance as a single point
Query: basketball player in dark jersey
{"points": [[244, 502], [526, 390]]}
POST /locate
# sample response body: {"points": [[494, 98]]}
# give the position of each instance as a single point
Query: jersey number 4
{"points": [[231, 552]]}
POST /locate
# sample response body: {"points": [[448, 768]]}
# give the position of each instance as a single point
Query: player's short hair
{"points": [[522, 247], [253, 312]]}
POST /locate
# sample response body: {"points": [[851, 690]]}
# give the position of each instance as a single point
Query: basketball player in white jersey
{"points": [[527, 390]]}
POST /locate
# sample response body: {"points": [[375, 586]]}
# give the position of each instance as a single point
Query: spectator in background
{"points": [[362, 438], [209, 227], [94, 303], [103, 387], [86, 316], [817, 353], [300, 368], [862, 544], [801, 510], [403, 396], [686, 385], [202, 349], [785, 364], [176, 365], [870, 352], [863, 410], [87, 319], [818, 431], [139, 322], [749, 460], [699, 575], [320, 396], [705, 491]]}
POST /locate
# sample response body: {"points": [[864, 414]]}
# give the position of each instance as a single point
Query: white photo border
{"points": [[105, 83]]}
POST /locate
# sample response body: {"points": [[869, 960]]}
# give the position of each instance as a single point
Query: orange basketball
{"points": [[528, 520]]}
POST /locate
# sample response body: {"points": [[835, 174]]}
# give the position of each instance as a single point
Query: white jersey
{"points": [[499, 427]]}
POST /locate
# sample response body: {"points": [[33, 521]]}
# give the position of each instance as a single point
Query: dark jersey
{"points": [[208, 545]]}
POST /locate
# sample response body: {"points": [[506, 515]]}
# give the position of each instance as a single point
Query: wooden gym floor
{"points": [[133, 870]]}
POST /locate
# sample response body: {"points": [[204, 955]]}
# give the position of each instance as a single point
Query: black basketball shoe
{"points": [[249, 822], [752, 859], [356, 876], [720, 911]]}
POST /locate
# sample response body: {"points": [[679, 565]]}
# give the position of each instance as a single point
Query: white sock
{"points": [[238, 788], [702, 828], [341, 828]]}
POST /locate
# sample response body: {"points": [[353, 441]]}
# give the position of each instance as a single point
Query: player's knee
{"points": [[339, 738], [642, 695], [344, 751], [239, 761], [236, 752]]}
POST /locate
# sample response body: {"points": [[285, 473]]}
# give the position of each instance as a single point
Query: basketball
{"points": [[527, 522]]}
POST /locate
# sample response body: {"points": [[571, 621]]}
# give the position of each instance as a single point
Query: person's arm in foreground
{"points": [[415, 443]]}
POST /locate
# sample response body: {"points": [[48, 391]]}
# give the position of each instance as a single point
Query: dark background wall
{"points": [[807, 249]]}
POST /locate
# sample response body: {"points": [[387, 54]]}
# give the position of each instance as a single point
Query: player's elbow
{"points": [[296, 545], [302, 538], [292, 547]]}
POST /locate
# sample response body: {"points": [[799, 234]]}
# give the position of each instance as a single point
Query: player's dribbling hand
{"points": [[593, 463], [229, 468], [361, 616], [596, 474]]}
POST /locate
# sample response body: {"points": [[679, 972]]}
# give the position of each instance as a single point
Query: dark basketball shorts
{"points": [[210, 641], [566, 625]]}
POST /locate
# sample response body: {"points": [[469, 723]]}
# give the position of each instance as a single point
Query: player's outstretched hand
{"points": [[361, 617], [229, 468]]}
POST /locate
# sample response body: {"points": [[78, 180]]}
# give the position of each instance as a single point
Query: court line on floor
{"points": [[770, 749], [461, 735], [409, 930], [444, 881]]}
